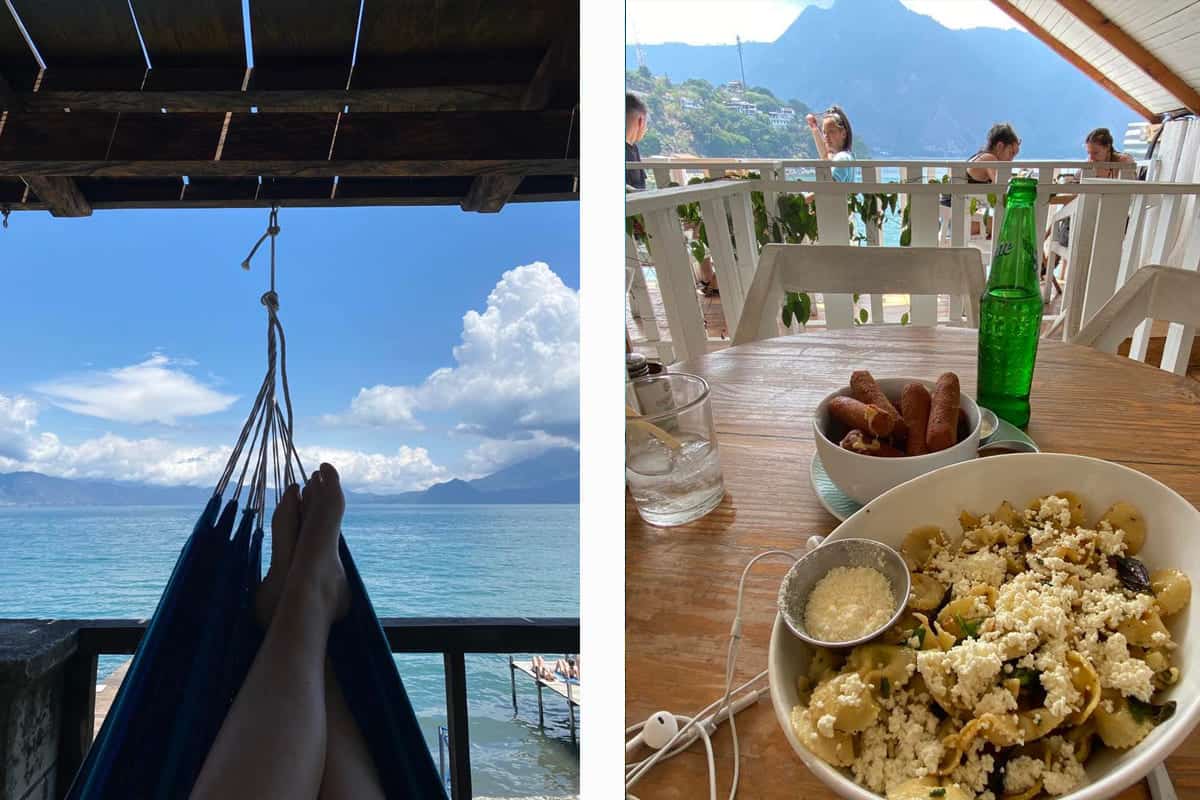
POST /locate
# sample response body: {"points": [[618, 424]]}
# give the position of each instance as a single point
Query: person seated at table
{"points": [[1003, 144], [1099, 148], [834, 139]]}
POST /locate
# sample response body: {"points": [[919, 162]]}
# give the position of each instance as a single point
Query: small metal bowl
{"points": [[817, 563]]}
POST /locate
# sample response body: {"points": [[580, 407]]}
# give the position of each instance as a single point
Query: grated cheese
{"points": [[848, 603]]}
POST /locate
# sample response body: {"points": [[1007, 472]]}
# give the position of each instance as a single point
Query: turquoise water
{"points": [[416, 561]]}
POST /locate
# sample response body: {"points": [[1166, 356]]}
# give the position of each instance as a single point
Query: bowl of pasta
{"points": [[1046, 650]]}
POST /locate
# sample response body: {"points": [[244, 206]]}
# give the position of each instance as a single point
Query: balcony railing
{"points": [[452, 637], [1116, 227]]}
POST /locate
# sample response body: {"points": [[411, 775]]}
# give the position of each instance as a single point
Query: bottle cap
{"points": [[636, 365]]}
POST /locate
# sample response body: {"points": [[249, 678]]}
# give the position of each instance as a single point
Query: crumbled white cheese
{"points": [[825, 725], [852, 690], [1121, 671], [1021, 773], [900, 745], [961, 573], [848, 603], [1064, 774], [998, 701]]}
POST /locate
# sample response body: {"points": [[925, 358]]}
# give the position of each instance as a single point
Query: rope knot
{"points": [[273, 230], [271, 301]]}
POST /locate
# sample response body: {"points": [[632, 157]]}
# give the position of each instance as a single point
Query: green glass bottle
{"points": [[1010, 312]]}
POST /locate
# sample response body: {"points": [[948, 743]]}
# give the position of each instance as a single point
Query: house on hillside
{"points": [[688, 104], [741, 107], [782, 118]]}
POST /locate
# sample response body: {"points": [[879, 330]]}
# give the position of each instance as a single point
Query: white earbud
{"points": [[659, 729]]}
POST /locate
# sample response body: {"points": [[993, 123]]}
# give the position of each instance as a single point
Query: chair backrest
{"points": [[838, 271], [1153, 293]]}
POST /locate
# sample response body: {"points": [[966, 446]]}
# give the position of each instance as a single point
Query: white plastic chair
{"points": [[838, 271], [1153, 293]]}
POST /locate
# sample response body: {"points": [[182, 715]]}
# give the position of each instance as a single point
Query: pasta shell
{"points": [[1141, 631], [926, 594], [849, 716], [1123, 516], [1085, 679], [837, 750], [875, 661], [920, 544], [1117, 728], [1172, 590]]}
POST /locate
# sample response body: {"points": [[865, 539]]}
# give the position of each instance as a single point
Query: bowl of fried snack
{"points": [[873, 435]]}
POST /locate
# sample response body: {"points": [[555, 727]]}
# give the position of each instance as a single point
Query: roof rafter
{"points": [[1071, 56], [489, 193]]}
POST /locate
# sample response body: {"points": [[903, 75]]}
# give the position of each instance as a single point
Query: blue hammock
{"points": [[203, 637]]}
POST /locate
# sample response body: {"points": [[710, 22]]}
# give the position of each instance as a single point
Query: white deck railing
{"points": [[1162, 226]]}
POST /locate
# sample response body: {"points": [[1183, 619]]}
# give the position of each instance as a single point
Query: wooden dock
{"points": [[568, 690], [106, 692]]}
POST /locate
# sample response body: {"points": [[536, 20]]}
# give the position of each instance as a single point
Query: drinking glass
{"points": [[671, 461]]}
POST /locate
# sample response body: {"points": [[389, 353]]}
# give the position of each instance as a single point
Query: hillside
{"points": [[911, 86], [552, 477], [696, 117]]}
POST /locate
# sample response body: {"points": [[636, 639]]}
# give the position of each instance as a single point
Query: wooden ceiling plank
{"points": [[474, 97], [453, 135], [1095, 19], [197, 44], [302, 44], [489, 193], [1054, 44]]}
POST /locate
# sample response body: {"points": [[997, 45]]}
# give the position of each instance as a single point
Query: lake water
{"points": [[416, 561]]}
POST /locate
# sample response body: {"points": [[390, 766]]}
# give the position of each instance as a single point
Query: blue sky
{"points": [[423, 343]]}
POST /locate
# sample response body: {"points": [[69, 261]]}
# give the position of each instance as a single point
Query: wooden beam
{"points": [[489, 193], [1132, 49], [475, 97], [300, 202], [61, 194], [290, 169], [1070, 55]]}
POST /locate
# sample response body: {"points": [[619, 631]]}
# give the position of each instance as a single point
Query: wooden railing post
{"points": [[458, 725], [833, 228], [923, 216], [720, 243], [672, 264]]}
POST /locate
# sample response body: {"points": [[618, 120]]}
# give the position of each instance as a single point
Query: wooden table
{"points": [[680, 583]]}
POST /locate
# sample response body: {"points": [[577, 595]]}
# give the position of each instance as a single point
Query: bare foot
{"points": [[285, 528], [316, 563]]}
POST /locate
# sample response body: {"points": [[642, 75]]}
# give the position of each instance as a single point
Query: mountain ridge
{"points": [[911, 86], [548, 478]]}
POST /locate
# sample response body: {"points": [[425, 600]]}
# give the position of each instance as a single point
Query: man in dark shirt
{"points": [[636, 115]]}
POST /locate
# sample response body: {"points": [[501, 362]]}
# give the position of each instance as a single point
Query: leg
{"points": [[272, 743], [349, 770]]}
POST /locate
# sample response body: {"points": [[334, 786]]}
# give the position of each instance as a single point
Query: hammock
{"points": [[203, 636]]}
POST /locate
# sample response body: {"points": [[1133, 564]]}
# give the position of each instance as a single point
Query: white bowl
{"points": [[1172, 540], [864, 478]]}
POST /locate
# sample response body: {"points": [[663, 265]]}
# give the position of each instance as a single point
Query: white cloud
{"points": [[18, 416], [719, 21], [408, 469], [493, 454], [516, 367], [167, 463], [711, 21], [960, 14], [156, 390], [380, 406]]}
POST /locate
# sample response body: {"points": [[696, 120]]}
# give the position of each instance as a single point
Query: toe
{"points": [[285, 527]]}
